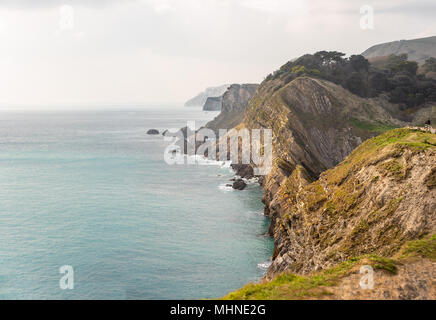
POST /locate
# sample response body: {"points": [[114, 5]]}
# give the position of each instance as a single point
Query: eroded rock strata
{"points": [[324, 211]]}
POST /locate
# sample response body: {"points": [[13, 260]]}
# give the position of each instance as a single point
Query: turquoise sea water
{"points": [[91, 190]]}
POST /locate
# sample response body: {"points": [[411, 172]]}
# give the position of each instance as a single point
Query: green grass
{"points": [[382, 263], [391, 143], [290, 286], [394, 168], [376, 127], [425, 247]]}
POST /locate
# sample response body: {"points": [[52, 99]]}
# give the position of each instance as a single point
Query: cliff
{"points": [[234, 102], [350, 185], [375, 208], [200, 99], [366, 208], [315, 123], [213, 104], [418, 50], [381, 196]]}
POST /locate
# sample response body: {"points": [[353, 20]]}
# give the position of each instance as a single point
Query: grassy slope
{"points": [[289, 286]]}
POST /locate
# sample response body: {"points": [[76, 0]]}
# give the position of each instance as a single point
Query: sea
{"points": [[89, 209]]}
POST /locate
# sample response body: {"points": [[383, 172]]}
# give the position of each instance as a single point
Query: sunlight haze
{"points": [[90, 53]]}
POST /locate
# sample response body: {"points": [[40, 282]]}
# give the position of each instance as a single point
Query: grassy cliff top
{"points": [[391, 143], [290, 286]]}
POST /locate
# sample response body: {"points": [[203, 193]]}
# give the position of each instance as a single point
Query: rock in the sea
{"points": [[153, 131], [239, 184], [243, 170]]}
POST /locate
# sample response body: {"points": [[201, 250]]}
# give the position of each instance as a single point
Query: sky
{"points": [[158, 52]]}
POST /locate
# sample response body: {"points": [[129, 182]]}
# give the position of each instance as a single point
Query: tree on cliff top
{"points": [[397, 76], [430, 65]]}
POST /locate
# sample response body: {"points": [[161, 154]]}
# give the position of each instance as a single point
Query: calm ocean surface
{"points": [[91, 190]]}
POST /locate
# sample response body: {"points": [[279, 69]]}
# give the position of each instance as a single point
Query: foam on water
{"points": [[264, 266], [203, 161], [226, 187]]}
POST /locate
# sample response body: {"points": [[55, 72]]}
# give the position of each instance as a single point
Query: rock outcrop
{"points": [[315, 123], [153, 132], [200, 99], [378, 198], [239, 184], [213, 104], [234, 102]]}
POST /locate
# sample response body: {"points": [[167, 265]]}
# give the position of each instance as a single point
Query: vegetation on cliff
{"points": [[397, 77], [375, 200], [315, 123], [377, 207], [290, 286], [337, 200]]}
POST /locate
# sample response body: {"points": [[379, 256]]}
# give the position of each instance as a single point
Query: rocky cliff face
{"points": [[234, 102], [381, 196], [315, 123], [378, 199], [213, 104], [376, 208]]}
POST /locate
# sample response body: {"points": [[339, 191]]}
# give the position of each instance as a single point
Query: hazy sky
{"points": [[80, 52]]}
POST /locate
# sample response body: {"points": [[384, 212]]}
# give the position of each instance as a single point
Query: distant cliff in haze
{"points": [[200, 99], [417, 50]]}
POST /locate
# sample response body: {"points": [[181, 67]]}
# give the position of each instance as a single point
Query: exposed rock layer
{"points": [[373, 202], [213, 104], [377, 199], [234, 102]]}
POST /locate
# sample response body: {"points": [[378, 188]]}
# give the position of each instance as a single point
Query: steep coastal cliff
{"points": [[234, 102], [325, 212], [368, 210], [381, 196], [213, 104]]}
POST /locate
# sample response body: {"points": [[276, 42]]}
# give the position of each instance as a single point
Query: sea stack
{"points": [[153, 132]]}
